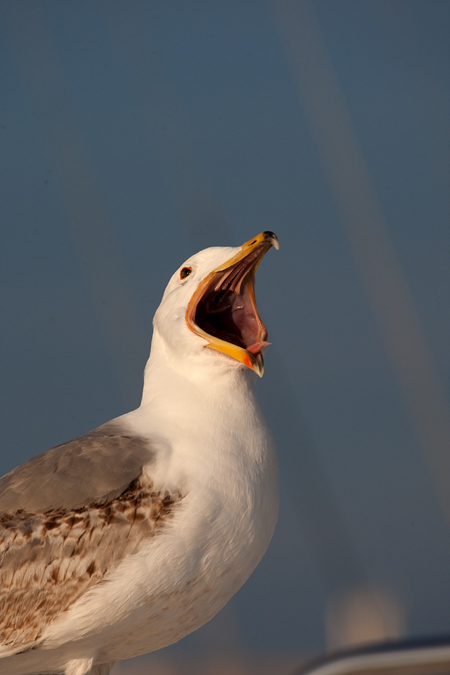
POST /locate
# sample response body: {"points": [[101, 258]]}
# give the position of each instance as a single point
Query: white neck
{"points": [[206, 372], [207, 414]]}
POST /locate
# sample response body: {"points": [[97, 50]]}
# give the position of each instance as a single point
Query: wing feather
{"points": [[67, 518], [93, 468], [49, 560]]}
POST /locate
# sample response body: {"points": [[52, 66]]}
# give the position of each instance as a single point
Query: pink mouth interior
{"points": [[226, 309]]}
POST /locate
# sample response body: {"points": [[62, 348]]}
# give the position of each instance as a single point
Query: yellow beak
{"points": [[223, 308]]}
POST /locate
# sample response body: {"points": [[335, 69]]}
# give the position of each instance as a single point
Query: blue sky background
{"points": [[136, 133]]}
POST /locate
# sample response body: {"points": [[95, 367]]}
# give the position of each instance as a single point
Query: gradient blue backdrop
{"points": [[134, 133]]}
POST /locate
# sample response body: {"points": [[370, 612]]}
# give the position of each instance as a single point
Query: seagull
{"points": [[132, 536]]}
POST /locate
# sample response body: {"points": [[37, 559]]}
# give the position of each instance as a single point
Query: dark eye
{"points": [[185, 272]]}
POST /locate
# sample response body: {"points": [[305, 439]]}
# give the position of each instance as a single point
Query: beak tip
{"points": [[273, 239], [258, 364]]}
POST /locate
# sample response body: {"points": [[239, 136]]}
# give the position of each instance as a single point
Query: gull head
{"points": [[209, 307]]}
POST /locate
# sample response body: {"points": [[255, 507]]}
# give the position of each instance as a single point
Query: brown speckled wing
{"points": [[48, 560]]}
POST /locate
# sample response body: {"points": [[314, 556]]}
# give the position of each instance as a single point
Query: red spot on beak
{"points": [[248, 362]]}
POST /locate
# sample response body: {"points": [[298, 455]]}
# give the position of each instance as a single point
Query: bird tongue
{"points": [[257, 347]]}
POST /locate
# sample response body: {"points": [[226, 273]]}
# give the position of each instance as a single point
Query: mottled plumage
{"points": [[48, 560]]}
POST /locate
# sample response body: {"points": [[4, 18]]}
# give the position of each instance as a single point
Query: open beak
{"points": [[223, 308]]}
